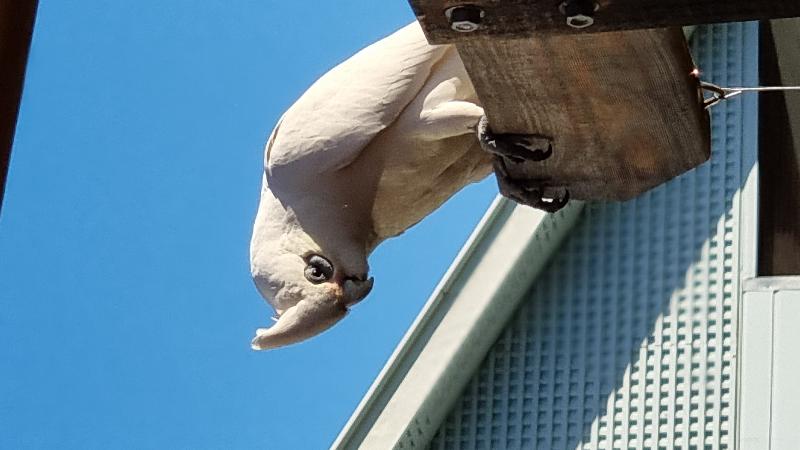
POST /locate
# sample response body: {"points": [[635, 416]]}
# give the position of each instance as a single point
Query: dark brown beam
{"points": [[623, 109], [523, 18], [16, 26]]}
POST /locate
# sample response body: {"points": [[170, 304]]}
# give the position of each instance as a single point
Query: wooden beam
{"points": [[523, 18], [624, 109], [16, 27]]}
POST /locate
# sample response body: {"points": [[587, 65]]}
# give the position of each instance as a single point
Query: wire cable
{"points": [[724, 93]]}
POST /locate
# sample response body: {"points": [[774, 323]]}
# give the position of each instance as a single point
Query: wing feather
{"points": [[335, 119]]}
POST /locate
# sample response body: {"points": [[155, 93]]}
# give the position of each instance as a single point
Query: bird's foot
{"points": [[519, 148], [528, 192], [516, 147]]}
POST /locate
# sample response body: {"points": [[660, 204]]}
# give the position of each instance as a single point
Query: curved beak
{"points": [[307, 318]]}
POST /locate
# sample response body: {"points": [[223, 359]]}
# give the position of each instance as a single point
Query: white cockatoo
{"points": [[371, 148]]}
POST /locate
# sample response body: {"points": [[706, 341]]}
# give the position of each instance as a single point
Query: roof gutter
{"points": [[457, 326]]}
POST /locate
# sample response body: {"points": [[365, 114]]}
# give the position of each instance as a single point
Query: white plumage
{"points": [[371, 148]]}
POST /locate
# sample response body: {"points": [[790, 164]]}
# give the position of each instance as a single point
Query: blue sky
{"points": [[126, 306]]}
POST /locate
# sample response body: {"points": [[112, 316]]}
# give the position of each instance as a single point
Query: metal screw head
{"points": [[464, 18], [580, 21], [580, 13]]}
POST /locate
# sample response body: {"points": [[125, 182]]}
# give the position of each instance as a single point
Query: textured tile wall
{"points": [[628, 339]]}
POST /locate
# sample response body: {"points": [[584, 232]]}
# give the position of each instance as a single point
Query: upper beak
{"points": [[355, 290]]}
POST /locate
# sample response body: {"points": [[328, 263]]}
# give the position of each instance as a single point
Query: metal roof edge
{"points": [[771, 283], [458, 324]]}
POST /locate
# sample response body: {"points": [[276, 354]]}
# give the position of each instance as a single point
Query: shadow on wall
{"points": [[626, 338]]}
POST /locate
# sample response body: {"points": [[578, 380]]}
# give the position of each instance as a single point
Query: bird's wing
{"points": [[329, 126]]}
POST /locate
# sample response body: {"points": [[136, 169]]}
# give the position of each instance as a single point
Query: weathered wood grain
{"points": [[623, 108], [16, 26], [522, 18]]}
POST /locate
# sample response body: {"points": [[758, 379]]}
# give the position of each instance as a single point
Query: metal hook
{"points": [[722, 93], [718, 94]]}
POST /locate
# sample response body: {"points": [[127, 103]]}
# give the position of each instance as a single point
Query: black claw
{"points": [[526, 192], [541, 155], [554, 204], [516, 147]]}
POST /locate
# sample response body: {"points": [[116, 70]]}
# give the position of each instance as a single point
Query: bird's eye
{"points": [[318, 270]]}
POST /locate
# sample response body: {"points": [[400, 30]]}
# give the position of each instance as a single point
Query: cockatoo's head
{"points": [[311, 288]]}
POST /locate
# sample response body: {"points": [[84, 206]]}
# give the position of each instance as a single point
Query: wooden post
{"points": [[623, 109], [779, 151], [16, 27]]}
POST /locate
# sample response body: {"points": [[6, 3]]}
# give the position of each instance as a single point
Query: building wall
{"points": [[629, 338], [769, 394]]}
